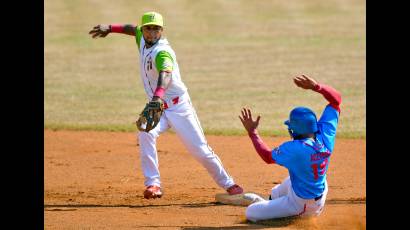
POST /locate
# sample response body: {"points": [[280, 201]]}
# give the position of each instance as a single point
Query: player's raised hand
{"points": [[100, 31], [247, 121], [305, 82]]}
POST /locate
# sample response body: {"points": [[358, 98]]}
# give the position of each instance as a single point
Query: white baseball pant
{"points": [[285, 203], [183, 119]]}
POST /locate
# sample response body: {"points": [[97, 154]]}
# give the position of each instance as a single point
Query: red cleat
{"points": [[234, 190], [152, 192]]}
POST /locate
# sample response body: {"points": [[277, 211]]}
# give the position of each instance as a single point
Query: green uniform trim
{"points": [[164, 61], [138, 35]]}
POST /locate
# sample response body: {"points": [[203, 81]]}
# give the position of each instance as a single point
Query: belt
{"points": [[175, 101], [316, 198]]}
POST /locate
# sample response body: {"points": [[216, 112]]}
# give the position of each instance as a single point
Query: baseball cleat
{"points": [[152, 192], [252, 197], [234, 190]]}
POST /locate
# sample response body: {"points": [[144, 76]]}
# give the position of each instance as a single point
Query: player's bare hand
{"points": [[100, 31], [247, 120], [305, 82]]}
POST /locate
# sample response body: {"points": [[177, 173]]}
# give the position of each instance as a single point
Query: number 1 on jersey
{"points": [[319, 168]]}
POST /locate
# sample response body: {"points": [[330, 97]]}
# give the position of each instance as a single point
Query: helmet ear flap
{"points": [[291, 133], [290, 130]]}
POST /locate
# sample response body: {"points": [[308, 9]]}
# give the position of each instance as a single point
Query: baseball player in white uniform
{"points": [[162, 81]]}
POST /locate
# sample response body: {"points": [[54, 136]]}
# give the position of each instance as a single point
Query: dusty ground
{"points": [[93, 180]]}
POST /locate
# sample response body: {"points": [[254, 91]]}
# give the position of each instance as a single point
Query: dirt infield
{"points": [[93, 180]]}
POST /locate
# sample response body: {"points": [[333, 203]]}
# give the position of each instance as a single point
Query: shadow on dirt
{"points": [[185, 205], [229, 227], [198, 227], [281, 222]]}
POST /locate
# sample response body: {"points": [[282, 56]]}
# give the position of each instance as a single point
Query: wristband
{"points": [[317, 87], [159, 92], [116, 28]]}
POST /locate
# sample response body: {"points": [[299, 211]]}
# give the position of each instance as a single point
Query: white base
{"points": [[237, 200]]}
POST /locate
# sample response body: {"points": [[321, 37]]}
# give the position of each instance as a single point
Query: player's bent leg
{"points": [[148, 153], [316, 207], [204, 154], [281, 189], [284, 206], [188, 128], [271, 209], [149, 158]]}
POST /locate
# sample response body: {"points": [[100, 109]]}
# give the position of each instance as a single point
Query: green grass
{"points": [[231, 54]]}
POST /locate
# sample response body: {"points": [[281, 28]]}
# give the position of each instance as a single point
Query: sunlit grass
{"points": [[228, 59]]}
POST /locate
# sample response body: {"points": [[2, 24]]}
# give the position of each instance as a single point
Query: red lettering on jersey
{"points": [[319, 156]]}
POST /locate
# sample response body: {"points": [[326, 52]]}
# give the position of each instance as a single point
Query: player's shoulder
{"points": [[296, 146], [163, 46], [291, 146]]}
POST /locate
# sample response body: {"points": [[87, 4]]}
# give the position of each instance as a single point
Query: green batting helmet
{"points": [[152, 18]]}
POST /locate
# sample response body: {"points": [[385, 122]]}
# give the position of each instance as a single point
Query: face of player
{"points": [[151, 33]]}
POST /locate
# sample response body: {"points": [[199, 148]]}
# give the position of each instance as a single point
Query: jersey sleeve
{"points": [[283, 155], [138, 35], [328, 124], [164, 61]]}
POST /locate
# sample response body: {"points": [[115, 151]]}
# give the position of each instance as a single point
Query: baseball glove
{"points": [[150, 116]]}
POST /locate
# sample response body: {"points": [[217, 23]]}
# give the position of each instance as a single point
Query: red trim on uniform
{"points": [[261, 148], [116, 28], [304, 210], [331, 95], [175, 100]]}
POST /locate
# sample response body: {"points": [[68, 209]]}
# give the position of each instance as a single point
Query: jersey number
{"points": [[319, 168], [149, 64]]}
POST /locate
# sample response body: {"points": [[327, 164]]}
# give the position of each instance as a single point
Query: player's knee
{"points": [[251, 213], [274, 193], [202, 152]]}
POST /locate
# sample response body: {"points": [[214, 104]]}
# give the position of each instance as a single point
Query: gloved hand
{"points": [[150, 115]]}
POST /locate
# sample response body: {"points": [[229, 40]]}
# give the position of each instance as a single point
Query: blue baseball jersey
{"points": [[307, 160]]}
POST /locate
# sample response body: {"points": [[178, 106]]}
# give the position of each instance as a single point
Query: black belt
{"points": [[317, 198]]}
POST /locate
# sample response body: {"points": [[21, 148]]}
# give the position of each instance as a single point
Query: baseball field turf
{"points": [[231, 54]]}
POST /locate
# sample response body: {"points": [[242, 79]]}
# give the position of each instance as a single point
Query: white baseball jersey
{"points": [[149, 72]]}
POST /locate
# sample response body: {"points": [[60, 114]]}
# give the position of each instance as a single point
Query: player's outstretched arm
{"points": [[330, 94], [103, 30], [247, 120], [305, 82], [250, 125]]}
